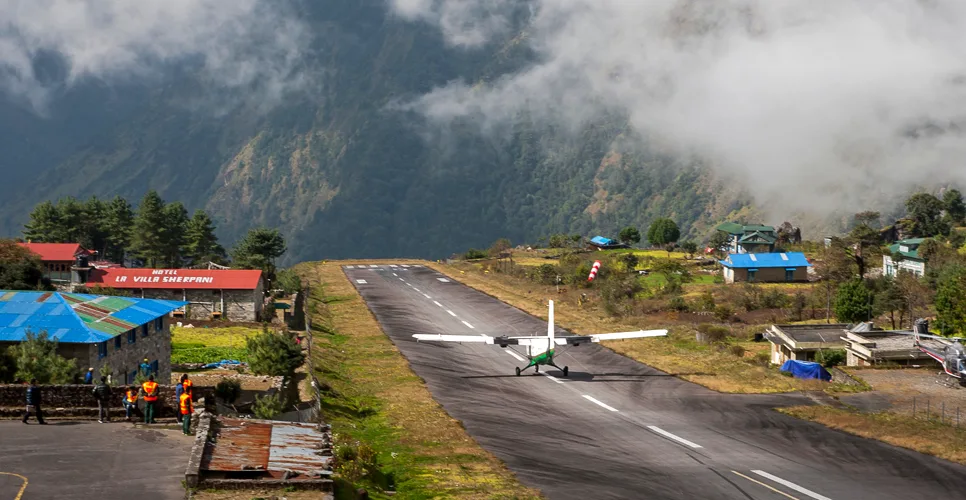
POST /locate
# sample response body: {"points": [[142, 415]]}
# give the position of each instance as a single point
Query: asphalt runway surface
{"points": [[85, 460], [616, 428]]}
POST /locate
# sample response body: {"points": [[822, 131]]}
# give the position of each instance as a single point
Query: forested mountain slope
{"points": [[339, 168]]}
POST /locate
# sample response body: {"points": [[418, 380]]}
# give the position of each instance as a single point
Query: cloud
{"points": [[235, 44], [815, 105]]}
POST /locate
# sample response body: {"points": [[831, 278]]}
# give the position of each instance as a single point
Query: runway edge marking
{"points": [[791, 485], [667, 434], [598, 403], [776, 490]]}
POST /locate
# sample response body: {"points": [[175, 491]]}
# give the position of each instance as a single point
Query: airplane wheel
{"points": [[566, 370], [518, 371]]}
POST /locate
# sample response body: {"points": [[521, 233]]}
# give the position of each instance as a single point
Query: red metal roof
{"points": [[55, 252], [176, 279]]}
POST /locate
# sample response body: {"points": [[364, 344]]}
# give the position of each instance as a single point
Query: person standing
{"points": [[145, 367], [150, 399], [178, 391], [185, 410], [130, 402], [102, 393], [33, 403], [89, 376]]}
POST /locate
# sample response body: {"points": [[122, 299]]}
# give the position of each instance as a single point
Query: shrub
{"points": [[228, 390], [711, 334], [761, 358], [706, 301], [475, 253], [677, 303], [736, 350], [273, 354], [830, 357], [724, 312], [267, 407]]}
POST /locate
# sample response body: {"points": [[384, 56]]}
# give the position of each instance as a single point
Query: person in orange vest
{"points": [[130, 401], [150, 389], [186, 409]]}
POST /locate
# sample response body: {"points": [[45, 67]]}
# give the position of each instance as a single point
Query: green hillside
{"points": [[339, 170]]}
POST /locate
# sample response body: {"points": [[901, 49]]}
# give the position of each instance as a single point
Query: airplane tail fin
{"points": [[550, 326]]}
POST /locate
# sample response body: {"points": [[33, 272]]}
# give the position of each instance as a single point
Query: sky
{"points": [[812, 105], [250, 45]]}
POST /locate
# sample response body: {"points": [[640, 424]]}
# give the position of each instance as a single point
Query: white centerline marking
{"points": [[404, 265], [409, 284], [672, 436], [396, 275], [557, 380], [441, 305], [515, 355], [427, 296], [414, 288], [451, 313], [598, 403], [373, 265], [444, 280], [469, 325], [789, 484], [400, 279], [363, 282]]}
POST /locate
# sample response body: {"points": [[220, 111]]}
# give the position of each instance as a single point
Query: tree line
{"points": [[156, 233]]}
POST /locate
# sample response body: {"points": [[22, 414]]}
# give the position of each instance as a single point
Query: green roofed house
{"points": [[906, 253], [749, 239], [95, 330]]}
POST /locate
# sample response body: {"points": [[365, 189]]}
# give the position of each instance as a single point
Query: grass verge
{"points": [[374, 401], [678, 354], [929, 437]]}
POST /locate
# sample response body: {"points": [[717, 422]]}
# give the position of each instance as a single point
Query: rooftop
{"points": [[267, 448], [55, 252], [75, 318], [176, 279], [736, 229], [912, 244], [759, 260], [824, 333]]}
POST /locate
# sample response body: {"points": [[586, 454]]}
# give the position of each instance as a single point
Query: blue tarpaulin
{"points": [[225, 363], [806, 369]]}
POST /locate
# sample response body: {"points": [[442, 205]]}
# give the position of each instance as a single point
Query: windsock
{"points": [[593, 271]]}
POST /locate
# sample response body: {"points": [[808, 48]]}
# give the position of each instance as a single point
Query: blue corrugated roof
{"points": [[600, 240], [759, 260], [75, 318]]}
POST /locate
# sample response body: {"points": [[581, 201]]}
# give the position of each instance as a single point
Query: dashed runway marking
{"points": [[451, 313], [444, 280], [437, 303], [467, 324], [672, 436], [427, 296], [598, 403], [361, 282], [791, 485]]}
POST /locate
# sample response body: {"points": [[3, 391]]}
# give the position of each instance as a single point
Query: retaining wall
{"points": [[73, 400]]}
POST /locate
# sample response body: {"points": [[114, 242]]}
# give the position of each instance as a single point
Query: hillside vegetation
{"points": [[341, 164]]}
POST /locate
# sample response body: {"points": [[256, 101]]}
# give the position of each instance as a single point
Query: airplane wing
{"points": [[435, 337], [579, 339]]}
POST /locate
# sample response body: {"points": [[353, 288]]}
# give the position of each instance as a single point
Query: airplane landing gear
{"points": [[566, 370], [518, 371]]}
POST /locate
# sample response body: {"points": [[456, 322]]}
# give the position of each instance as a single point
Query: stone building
{"points": [[765, 267], [95, 330], [232, 294], [58, 260]]}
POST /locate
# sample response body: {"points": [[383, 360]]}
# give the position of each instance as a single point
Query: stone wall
{"points": [[126, 359], [74, 396], [238, 305]]}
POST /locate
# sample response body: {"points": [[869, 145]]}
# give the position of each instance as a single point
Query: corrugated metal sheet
{"points": [[759, 260], [55, 252], [177, 279], [272, 446], [75, 318]]}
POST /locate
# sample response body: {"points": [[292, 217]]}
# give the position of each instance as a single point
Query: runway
{"points": [[616, 428]]}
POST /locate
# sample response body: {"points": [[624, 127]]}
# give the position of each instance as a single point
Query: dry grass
{"points": [[375, 398], [677, 354], [253, 493], [930, 437]]}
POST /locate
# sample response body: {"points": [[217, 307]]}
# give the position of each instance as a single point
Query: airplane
{"points": [[539, 349], [952, 356]]}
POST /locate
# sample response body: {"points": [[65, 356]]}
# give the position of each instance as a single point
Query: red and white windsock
{"points": [[593, 271]]}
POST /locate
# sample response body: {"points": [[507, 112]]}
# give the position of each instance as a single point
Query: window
{"points": [[751, 274], [102, 350], [154, 367], [159, 324], [131, 337], [144, 330], [789, 275], [117, 343]]}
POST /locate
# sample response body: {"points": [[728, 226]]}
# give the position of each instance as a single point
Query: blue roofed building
{"points": [[602, 243], [95, 330], [775, 267]]}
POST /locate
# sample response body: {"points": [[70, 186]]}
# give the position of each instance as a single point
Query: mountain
{"points": [[341, 169]]}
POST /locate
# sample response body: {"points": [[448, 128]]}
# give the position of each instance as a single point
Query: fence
{"points": [[925, 409]]}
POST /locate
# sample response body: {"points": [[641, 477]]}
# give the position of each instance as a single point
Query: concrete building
{"points": [[907, 253], [765, 267], [232, 294], [95, 330], [802, 342], [58, 260], [868, 346], [749, 239]]}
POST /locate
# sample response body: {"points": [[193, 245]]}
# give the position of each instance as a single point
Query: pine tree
{"points": [[118, 224], [148, 241], [71, 219], [258, 250], [853, 302], [93, 234], [37, 358], [273, 354], [174, 230], [201, 244], [44, 225]]}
